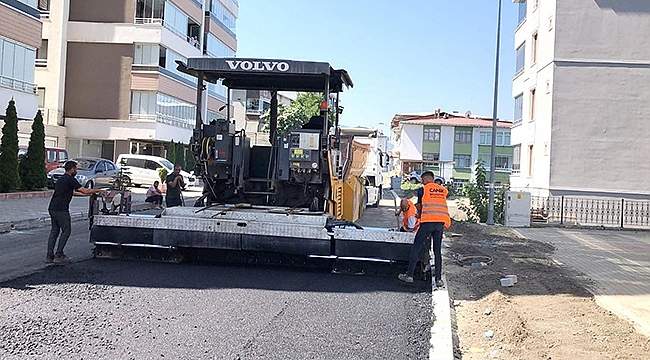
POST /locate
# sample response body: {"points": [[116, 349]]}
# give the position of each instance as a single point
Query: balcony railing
{"points": [[150, 21], [254, 112], [41, 62], [45, 14], [164, 119], [18, 85]]}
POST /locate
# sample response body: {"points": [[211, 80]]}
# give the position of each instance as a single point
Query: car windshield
{"points": [[84, 164], [167, 164]]}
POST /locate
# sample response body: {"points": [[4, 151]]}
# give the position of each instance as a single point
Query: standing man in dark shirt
{"points": [[59, 210], [175, 185]]}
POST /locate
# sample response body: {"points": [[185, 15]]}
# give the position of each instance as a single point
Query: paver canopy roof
{"points": [[268, 74]]}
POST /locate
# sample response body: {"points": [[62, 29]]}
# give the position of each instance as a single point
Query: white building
{"points": [[582, 98]]}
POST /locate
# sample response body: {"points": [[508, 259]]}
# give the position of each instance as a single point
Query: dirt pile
{"points": [[547, 314]]}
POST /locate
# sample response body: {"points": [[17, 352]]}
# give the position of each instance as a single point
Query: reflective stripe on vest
{"points": [[406, 215]]}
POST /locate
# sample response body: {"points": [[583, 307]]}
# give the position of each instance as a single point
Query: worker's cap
{"points": [[428, 173]]}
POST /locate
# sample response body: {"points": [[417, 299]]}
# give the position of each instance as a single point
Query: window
{"points": [[151, 165], [532, 104], [431, 134], [63, 156], [462, 161], [530, 160], [110, 166], [143, 102], [502, 162], [521, 59], [32, 3], [516, 158], [101, 166], [519, 108], [534, 55], [430, 157], [146, 54], [176, 20], [17, 66], [463, 136], [41, 97], [51, 156], [506, 139], [522, 12], [224, 15], [44, 5], [149, 11], [170, 64], [139, 163], [217, 48], [503, 138], [41, 54]]}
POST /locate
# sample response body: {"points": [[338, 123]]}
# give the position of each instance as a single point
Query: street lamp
{"points": [[490, 215]]}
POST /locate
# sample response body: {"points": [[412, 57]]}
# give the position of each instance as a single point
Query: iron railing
{"points": [[16, 84], [622, 213]]}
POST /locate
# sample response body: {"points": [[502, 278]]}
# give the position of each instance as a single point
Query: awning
{"points": [[268, 74]]}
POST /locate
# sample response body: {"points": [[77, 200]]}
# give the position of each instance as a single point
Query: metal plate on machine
{"points": [[374, 236], [285, 229], [231, 213]]}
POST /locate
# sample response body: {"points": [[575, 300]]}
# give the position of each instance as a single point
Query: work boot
{"points": [[405, 278], [440, 284], [49, 259], [62, 259]]}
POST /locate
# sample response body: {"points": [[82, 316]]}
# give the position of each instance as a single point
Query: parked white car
{"points": [[143, 169]]}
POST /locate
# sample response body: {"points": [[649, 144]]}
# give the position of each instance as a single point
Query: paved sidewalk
{"points": [[617, 261]]}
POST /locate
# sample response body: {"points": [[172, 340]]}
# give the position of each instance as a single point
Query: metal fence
{"points": [[564, 210]]}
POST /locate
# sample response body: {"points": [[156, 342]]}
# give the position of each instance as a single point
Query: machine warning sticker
{"points": [[219, 137], [298, 151]]}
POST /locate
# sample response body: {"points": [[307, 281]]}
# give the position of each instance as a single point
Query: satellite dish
{"points": [[468, 114]]}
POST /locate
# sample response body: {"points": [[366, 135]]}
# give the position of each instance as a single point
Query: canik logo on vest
{"points": [[433, 191], [258, 65]]}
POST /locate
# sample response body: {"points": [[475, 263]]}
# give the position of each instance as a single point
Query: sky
{"points": [[403, 56]]}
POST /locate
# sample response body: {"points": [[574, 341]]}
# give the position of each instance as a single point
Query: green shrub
{"points": [[162, 174], [410, 186], [32, 168], [9, 176]]}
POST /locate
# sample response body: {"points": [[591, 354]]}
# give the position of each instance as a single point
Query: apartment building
{"points": [[450, 144], [249, 107], [107, 70], [582, 98], [20, 37]]}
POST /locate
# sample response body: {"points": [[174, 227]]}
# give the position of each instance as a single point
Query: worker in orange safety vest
{"points": [[434, 216], [410, 221]]}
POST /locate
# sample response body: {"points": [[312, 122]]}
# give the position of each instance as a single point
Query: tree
{"points": [[9, 176], [32, 168], [477, 194], [179, 150], [189, 158], [298, 113], [171, 152]]}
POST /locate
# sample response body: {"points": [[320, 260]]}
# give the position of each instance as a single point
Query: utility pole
{"points": [[490, 216]]}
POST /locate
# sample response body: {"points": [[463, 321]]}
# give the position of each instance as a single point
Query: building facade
{"points": [[107, 71], [20, 37], [582, 98], [450, 144], [249, 107]]}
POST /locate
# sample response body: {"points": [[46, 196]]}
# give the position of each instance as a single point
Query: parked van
{"points": [[53, 157], [143, 169]]}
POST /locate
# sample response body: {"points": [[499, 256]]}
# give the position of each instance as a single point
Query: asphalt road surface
{"points": [[112, 309]]}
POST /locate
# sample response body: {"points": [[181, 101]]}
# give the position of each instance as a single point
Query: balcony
{"points": [[148, 21], [256, 112], [40, 62], [17, 85]]}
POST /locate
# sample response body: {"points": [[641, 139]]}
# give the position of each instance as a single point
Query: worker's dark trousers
{"points": [[435, 231], [60, 225]]}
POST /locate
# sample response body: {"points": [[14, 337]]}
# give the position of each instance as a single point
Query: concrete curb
{"points": [[26, 195], [45, 221], [442, 344], [441, 341]]}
